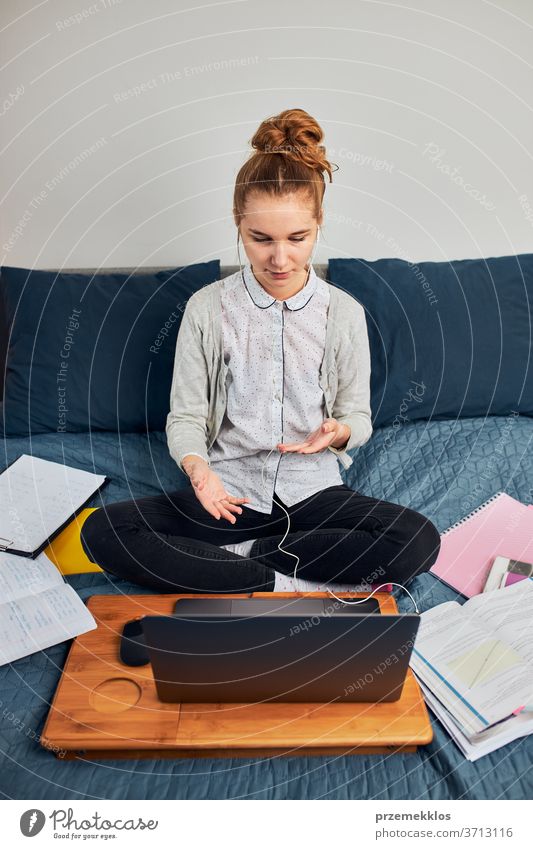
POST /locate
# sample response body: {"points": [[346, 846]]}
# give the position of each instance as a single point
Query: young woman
{"points": [[271, 388]]}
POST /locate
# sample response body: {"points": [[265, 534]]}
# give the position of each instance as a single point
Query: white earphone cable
{"points": [[343, 600]]}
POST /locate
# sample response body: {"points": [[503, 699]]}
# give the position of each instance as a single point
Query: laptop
{"points": [[282, 650]]}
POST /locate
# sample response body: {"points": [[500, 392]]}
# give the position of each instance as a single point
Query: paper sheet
{"points": [[510, 611], [37, 496], [36, 622], [21, 576]]}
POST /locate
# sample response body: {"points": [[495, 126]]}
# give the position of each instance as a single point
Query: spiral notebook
{"points": [[501, 525]]}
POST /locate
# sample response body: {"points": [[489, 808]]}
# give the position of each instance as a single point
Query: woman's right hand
{"points": [[211, 493]]}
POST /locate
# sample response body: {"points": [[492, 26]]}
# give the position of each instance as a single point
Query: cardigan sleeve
{"points": [[352, 401], [186, 426]]}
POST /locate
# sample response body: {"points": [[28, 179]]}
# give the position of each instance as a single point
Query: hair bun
{"points": [[295, 134]]}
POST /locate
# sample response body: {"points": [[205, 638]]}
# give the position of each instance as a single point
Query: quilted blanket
{"points": [[443, 469]]}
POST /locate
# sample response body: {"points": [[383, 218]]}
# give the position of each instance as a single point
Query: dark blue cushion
{"points": [[447, 339], [93, 352]]}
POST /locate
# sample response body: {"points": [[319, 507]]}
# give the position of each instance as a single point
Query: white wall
{"points": [[123, 130]]}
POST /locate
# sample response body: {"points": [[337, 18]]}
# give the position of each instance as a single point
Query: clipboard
{"points": [[9, 545]]}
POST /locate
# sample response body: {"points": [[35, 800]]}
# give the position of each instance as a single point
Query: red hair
{"points": [[288, 158]]}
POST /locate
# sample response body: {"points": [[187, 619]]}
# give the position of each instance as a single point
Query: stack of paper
{"points": [[474, 663], [487, 741]]}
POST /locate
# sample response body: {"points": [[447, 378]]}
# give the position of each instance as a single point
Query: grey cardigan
{"points": [[198, 392]]}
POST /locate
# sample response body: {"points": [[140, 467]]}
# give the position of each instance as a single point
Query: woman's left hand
{"points": [[330, 431]]}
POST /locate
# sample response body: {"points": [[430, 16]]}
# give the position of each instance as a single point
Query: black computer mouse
{"points": [[132, 644]]}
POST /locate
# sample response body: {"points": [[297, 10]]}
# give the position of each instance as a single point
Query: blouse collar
{"points": [[262, 299]]}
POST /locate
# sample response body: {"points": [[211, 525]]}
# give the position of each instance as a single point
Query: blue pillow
{"points": [[92, 351], [447, 339]]}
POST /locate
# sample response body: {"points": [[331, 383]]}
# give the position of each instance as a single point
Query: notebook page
{"points": [[20, 577], [503, 526], [37, 496], [37, 622], [479, 678], [510, 613]]}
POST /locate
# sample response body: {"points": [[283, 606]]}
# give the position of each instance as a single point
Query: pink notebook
{"points": [[501, 525]]}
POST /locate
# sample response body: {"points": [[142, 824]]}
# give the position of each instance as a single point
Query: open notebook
{"points": [[38, 498], [500, 526], [37, 607]]}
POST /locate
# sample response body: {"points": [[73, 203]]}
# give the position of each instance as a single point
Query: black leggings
{"points": [[169, 542]]}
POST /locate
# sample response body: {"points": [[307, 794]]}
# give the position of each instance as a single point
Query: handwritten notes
{"points": [[37, 608], [37, 497]]}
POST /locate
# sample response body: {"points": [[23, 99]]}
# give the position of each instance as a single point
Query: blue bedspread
{"points": [[443, 469]]}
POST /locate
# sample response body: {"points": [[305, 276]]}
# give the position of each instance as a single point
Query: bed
{"points": [[427, 465]]}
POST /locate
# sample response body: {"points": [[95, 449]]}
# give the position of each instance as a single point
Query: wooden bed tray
{"points": [[103, 709]]}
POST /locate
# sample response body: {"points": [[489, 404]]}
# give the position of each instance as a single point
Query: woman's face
{"points": [[279, 235]]}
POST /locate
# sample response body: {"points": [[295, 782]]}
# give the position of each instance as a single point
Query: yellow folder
{"points": [[66, 551]]}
